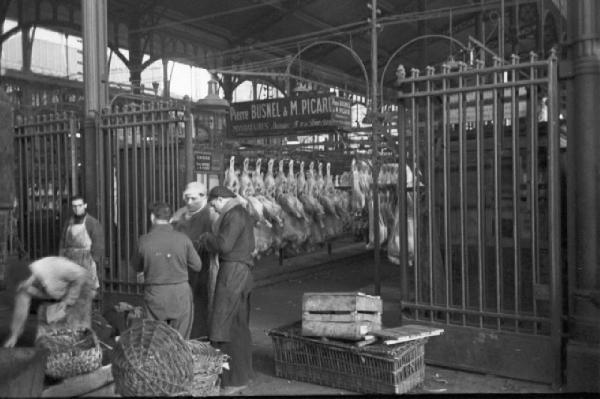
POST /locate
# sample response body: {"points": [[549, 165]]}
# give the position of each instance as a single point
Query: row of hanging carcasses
{"points": [[387, 221], [293, 211]]}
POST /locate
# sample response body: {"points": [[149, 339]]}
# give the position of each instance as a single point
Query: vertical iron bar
{"points": [[501, 30], [60, 172], [162, 162], [462, 186], [556, 293], [173, 162], [38, 179], [22, 188], [153, 147], [73, 158], [109, 182], [402, 202], [50, 126], [516, 186], [498, 120], [117, 132], [189, 147], [480, 138], [137, 130], [102, 202], [53, 210], [376, 161], [430, 185], [129, 127], [446, 155], [31, 217], [166, 189], [66, 165], [533, 183], [415, 173], [145, 166]]}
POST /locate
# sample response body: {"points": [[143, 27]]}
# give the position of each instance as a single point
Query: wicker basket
{"points": [[376, 368], [151, 359], [71, 352], [208, 365]]}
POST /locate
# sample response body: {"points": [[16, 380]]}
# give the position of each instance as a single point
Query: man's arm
{"points": [[193, 259], [137, 260], [229, 231], [76, 280], [96, 233]]}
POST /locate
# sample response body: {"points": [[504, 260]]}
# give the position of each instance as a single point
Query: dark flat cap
{"points": [[220, 191]]}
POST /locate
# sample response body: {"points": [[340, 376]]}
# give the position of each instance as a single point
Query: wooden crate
{"points": [[342, 315]]}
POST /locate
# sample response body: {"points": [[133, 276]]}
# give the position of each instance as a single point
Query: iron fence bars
{"points": [[485, 217], [47, 164], [142, 162], [446, 188], [498, 115], [430, 186], [554, 221], [413, 157], [481, 217], [533, 188]]}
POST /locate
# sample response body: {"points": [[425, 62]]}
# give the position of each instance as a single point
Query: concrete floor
{"points": [[277, 301], [281, 303]]}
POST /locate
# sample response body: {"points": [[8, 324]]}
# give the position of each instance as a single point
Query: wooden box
{"points": [[341, 315]]}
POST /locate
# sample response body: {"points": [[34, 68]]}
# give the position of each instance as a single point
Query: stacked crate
{"points": [[340, 315]]}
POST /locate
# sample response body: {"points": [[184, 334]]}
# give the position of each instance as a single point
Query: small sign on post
{"points": [[207, 160], [202, 161]]}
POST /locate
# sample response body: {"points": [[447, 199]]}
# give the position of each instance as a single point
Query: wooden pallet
{"points": [[396, 335]]}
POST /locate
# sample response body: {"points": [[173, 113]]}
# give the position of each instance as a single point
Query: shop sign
{"points": [[282, 116], [206, 160]]}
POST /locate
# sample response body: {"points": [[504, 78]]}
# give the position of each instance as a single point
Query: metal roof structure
{"points": [[321, 41]]}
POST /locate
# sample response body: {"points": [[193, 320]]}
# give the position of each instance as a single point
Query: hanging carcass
{"points": [[313, 208], [295, 228]]}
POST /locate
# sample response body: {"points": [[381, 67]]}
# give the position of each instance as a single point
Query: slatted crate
{"points": [[341, 315], [377, 368]]}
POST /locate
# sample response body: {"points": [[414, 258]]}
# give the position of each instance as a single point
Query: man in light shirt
{"points": [[66, 289]]}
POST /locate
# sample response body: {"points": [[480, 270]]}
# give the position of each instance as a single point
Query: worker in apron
{"points": [[82, 240]]}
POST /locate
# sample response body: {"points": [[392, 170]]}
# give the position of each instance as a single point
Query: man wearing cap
{"points": [[194, 219], [229, 328], [164, 255]]}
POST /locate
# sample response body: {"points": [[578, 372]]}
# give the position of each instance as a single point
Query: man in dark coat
{"points": [[229, 328], [194, 219], [164, 255]]}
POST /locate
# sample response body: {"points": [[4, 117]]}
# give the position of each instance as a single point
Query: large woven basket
{"points": [[208, 365], [151, 359], [71, 352]]}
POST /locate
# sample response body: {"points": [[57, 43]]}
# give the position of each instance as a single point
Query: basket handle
{"points": [[94, 337]]}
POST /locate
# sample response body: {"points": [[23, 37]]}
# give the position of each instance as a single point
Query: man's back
{"points": [[236, 235], [164, 255]]}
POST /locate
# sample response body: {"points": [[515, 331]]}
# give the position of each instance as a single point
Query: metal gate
{"points": [[47, 153], [140, 161], [487, 218]]}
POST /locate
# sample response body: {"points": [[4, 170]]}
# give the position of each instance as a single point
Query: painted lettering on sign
{"points": [[279, 116]]}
